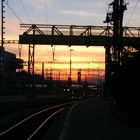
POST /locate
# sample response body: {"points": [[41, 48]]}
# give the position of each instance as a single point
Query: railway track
{"points": [[28, 103], [35, 125]]}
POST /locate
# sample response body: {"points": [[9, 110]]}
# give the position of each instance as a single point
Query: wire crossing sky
{"points": [[72, 12], [69, 12]]}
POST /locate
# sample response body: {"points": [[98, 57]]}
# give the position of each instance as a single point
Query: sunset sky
{"points": [[69, 12]]}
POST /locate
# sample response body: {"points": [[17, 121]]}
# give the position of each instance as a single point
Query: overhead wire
{"points": [[19, 19], [136, 4], [29, 18], [46, 11]]}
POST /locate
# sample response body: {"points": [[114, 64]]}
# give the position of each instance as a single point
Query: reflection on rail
{"points": [[34, 124]]}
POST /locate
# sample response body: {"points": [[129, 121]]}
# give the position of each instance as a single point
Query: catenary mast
{"points": [[114, 18], [2, 23], [2, 36]]}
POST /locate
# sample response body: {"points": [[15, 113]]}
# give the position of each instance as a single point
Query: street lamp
{"points": [[70, 65]]}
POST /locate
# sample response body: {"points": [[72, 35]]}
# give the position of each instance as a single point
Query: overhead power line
{"points": [[29, 18], [136, 4], [46, 10], [13, 12]]}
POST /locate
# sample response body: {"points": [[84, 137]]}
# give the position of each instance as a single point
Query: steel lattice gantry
{"points": [[41, 34], [76, 35]]}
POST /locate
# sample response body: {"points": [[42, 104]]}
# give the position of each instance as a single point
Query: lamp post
{"points": [[50, 70], [70, 65]]}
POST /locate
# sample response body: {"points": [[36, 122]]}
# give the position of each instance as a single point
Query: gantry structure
{"points": [[69, 35], [81, 70], [113, 36], [42, 34]]}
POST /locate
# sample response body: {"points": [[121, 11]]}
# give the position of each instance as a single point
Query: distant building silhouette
{"points": [[9, 64]]}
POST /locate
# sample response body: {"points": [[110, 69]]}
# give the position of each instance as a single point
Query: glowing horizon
{"points": [[61, 12]]}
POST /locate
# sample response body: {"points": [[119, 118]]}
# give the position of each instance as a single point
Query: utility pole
{"points": [[2, 36], [70, 66], [2, 23], [31, 55], [118, 9], [114, 17], [43, 71]]}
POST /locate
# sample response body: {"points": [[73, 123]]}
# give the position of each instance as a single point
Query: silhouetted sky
{"points": [[71, 12]]}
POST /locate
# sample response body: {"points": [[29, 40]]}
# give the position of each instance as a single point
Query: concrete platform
{"points": [[92, 119]]}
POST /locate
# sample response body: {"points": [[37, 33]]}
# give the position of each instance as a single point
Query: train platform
{"points": [[93, 119]]}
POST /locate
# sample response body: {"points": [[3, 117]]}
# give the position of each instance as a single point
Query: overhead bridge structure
{"points": [[42, 34], [76, 35]]}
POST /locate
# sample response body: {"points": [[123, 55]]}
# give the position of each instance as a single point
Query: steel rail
{"points": [[48, 118], [33, 115]]}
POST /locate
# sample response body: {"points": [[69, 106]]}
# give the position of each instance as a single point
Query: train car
{"points": [[74, 90], [92, 90], [77, 91]]}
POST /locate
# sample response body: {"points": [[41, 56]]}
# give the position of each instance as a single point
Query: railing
{"points": [[74, 30], [77, 30]]}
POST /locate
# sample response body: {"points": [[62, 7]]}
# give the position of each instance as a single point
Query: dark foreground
{"points": [[92, 119]]}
